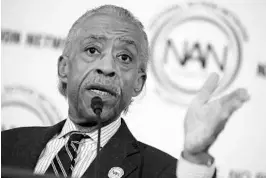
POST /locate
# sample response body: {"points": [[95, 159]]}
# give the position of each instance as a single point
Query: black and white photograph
{"points": [[133, 89]]}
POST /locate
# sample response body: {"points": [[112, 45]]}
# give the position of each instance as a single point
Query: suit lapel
{"points": [[121, 151], [33, 146]]}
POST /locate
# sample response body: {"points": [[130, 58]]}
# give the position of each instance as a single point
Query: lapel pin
{"points": [[115, 172]]}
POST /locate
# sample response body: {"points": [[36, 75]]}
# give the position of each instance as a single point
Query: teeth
{"points": [[103, 93]]}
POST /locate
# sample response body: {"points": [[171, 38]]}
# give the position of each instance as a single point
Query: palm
{"points": [[205, 120]]}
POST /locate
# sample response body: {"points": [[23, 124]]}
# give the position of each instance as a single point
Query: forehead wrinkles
{"points": [[109, 22], [125, 35], [112, 27]]}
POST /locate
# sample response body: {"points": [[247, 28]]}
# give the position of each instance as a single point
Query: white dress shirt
{"points": [[187, 169], [87, 153], [87, 150]]}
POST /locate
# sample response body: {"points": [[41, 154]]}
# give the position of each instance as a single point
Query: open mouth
{"points": [[103, 90]]}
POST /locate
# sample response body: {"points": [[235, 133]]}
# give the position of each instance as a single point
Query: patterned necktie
{"points": [[64, 161]]}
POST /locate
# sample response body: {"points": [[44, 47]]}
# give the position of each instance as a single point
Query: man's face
{"points": [[104, 61]]}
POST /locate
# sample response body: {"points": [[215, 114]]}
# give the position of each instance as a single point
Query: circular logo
{"points": [[191, 41], [22, 106]]}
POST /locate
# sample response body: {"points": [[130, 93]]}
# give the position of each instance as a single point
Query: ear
{"points": [[139, 84], [62, 68]]}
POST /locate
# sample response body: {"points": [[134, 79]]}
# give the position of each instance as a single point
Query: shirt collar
{"points": [[106, 132]]}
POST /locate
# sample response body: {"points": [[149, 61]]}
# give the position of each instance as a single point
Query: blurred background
{"points": [[189, 40]]}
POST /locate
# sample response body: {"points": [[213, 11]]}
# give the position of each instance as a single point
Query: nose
{"points": [[106, 66]]}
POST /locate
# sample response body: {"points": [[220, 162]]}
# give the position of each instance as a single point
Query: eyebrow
{"points": [[128, 41], [104, 38]]}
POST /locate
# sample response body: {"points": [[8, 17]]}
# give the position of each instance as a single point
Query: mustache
{"points": [[103, 82]]}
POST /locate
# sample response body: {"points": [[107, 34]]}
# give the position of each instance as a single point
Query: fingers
{"points": [[208, 88], [233, 101], [240, 95]]}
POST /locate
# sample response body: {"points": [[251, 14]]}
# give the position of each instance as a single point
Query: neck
{"points": [[85, 128], [90, 126]]}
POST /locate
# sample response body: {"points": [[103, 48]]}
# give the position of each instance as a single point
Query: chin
{"points": [[88, 118], [111, 111]]}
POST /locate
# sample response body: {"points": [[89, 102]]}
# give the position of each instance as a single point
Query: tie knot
{"points": [[77, 137]]}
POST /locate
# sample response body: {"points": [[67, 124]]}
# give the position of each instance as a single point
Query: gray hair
{"points": [[105, 9]]}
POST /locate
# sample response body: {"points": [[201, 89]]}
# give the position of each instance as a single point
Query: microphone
{"points": [[97, 107]]}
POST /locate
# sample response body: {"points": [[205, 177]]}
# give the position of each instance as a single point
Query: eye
{"points": [[92, 50], [125, 58]]}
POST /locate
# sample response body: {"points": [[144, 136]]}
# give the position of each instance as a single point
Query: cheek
{"points": [[128, 84], [77, 72], [73, 78], [79, 68]]}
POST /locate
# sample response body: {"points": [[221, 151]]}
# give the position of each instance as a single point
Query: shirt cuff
{"points": [[186, 169]]}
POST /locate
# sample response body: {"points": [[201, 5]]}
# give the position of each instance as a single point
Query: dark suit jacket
{"points": [[21, 148]]}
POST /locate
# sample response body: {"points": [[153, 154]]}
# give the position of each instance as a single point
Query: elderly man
{"points": [[106, 55]]}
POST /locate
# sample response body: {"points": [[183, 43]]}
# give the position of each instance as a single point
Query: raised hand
{"points": [[206, 119]]}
